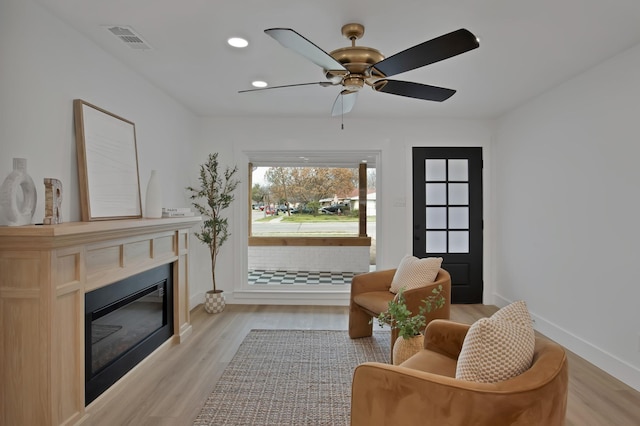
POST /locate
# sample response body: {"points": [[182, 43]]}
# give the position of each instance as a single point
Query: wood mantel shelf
{"points": [[73, 232], [45, 271]]}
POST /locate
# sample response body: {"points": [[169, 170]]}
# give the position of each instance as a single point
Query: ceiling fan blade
{"points": [[296, 42], [344, 103], [318, 83], [413, 90], [437, 49]]}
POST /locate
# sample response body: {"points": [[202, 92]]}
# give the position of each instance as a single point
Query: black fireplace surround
{"points": [[124, 323]]}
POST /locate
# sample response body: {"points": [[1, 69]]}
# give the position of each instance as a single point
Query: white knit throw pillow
{"points": [[498, 348], [414, 273]]}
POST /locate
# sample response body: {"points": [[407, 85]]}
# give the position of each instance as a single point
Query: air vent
{"points": [[129, 37]]}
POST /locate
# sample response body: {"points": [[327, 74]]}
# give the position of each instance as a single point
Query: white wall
{"points": [[567, 213], [44, 65], [393, 139]]}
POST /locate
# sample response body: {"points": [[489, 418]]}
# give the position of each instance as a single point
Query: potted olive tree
{"points": [[214, 195]]}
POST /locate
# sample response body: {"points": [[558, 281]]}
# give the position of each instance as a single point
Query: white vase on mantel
{"points": [[18, 195], [153, 199]]}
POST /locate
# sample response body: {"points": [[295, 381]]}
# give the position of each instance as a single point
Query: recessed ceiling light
{"points": [[238, 42], [259, 83]]}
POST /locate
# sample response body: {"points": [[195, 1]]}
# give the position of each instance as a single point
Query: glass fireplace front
{"points": [[124, 323]]}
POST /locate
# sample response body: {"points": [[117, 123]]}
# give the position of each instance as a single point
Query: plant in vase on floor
{"points": [[214, 195], [410, 326]]}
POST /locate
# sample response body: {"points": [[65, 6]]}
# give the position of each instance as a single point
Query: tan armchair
{"points": [[423, 390], [370, 296]]}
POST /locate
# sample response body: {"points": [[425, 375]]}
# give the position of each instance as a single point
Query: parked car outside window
{"points": [[303, 210], [334, 209]]}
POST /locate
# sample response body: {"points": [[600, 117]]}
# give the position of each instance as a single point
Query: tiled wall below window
{"points": [[312, 258]]}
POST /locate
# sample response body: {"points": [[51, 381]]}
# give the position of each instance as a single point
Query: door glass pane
{"points": [[435, 170], [436, 242], [458, 218], [436, 193], [458, 193], [436, 217], [459, 242], [459, 170]]}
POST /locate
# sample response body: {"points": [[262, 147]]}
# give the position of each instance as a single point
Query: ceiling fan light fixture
{"points": [[238, 42], [353, 83], [259, 83]]}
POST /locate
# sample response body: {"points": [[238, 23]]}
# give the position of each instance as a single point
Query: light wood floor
{"points": [[171, 388]]}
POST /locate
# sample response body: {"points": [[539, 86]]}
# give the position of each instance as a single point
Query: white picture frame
{"points": [[107, 164]]}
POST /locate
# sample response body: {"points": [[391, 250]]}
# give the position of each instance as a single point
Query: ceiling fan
{"points": [[354, 66]]}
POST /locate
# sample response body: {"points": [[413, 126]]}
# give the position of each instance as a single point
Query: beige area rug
{"points": [[291, 377]]}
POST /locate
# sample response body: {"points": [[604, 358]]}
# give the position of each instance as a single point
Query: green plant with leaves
{"points": [[399, 317], [214, 195]]}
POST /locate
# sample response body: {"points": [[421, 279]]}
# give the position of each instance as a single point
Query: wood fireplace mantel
{"points": [[45, 272]]}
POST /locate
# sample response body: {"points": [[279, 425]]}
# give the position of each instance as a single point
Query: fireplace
{"points": [[124, 323], [46, 273]]}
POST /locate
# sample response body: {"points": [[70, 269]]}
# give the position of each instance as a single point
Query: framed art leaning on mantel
{"points": [[107, 164]]}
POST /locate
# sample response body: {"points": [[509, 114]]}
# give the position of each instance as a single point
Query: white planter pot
{"points": [[214, 302]]}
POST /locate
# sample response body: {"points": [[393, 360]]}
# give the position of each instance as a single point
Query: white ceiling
{"points": [[526, 48]]}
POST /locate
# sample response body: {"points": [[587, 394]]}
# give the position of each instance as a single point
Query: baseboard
{"points": [[607, 362], [290, 297]]}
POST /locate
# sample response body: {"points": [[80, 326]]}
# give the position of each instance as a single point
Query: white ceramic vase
{"points": [[18, 196], [153, 199]]}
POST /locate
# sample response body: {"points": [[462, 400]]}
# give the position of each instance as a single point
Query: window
{"points": [[306, 215], [308, 201]]}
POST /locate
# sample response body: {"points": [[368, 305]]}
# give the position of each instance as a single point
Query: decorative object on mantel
{"points": [[153, 198], [18, 196], [177, 212], [107, 164], [52, 201], [410, 327], [216, 192]]}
